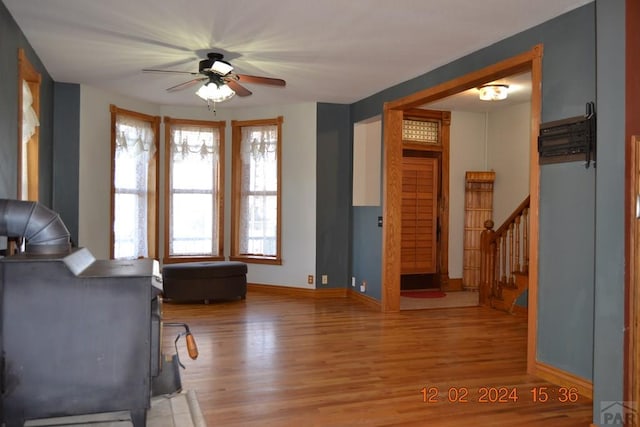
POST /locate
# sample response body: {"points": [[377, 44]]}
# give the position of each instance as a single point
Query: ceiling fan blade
{"points": [[151, 70], [238, 88], [187, 84], [244, 78]]}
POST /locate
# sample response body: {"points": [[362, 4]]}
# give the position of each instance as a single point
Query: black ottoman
{"points": [[204, 281]]}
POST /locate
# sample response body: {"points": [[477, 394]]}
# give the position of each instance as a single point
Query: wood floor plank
{"points": [[279, 360]]}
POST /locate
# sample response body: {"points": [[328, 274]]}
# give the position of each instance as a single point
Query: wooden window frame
{"points": [[236, 180], [153, 191], [28, 74], [220, 125]]}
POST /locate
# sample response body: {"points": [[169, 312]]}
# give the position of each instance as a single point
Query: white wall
{"points": [[367, 155], [499, 141], [478, 141], [467, 144], [508, 155], [298, 178]]}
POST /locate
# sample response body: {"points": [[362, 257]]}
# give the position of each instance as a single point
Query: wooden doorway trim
{"points": [[440, 151], [632, 313], [530, 61]]}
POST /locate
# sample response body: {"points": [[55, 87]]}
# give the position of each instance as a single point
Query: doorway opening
{"points": [[530, 61]]}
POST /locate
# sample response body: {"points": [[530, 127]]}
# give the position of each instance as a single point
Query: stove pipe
{"points": [[42, 228]]}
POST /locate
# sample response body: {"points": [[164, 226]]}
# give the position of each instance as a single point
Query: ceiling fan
{"points": [[217, 72]]}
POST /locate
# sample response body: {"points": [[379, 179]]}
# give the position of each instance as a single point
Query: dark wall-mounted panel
{"points": [[569, 140]]}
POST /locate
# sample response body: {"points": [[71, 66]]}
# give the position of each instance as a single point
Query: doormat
{"points": [[423, 294]]}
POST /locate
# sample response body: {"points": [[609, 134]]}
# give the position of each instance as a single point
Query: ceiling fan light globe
{"points": [[214, 93]]}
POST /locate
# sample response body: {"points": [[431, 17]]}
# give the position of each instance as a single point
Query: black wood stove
{"points": [[78, 335]]}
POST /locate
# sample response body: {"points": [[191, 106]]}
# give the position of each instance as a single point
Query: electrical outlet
{"points": [[325, 279], [353, 281], [310, 279], [363, 286]]}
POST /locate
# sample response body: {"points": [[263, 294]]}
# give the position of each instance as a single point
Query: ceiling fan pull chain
{"points": [[209, 102]]}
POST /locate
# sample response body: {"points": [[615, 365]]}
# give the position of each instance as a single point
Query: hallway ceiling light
{"points": [[493, 92]]}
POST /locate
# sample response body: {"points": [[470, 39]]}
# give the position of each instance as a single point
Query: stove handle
{"points": [[192, 348]]}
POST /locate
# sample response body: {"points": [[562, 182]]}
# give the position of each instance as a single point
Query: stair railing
{"points": [[503, 253]]}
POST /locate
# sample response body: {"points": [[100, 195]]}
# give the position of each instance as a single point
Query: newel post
{"points": [[487, 262]]}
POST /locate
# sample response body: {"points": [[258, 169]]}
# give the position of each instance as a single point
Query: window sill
{"points": [[253, 259], [179, 259]]}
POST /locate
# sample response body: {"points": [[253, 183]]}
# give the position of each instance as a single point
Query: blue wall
{"points": [[12, 38], [608, 368], [333, 195], [66, 154], [367, 255], [567, 203], [566, 283]]}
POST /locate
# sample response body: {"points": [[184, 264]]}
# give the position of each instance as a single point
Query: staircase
{"points": [[504, 268]]}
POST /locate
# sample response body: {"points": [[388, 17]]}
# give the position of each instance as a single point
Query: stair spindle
{"points": [[517, 245], [511, 234], [525, 240]]}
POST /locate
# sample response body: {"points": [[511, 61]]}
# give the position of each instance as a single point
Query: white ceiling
{"points": [[519, 91], [336, 51]]}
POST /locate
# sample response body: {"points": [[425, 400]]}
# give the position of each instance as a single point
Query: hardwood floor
{"points": [[277, 360]]}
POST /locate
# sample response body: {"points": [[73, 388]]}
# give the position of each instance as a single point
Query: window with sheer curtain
{"points": [[194, 187], [256, 190], [29, 146], [28, 128], [134, 190]]}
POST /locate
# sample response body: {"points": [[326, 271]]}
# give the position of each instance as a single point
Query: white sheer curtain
{"points": [[259, 191], [29, 124], [194, 190], [135, 148]]}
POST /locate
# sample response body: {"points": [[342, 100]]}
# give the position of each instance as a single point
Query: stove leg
{"points": [[12, 422], [139, 417]]}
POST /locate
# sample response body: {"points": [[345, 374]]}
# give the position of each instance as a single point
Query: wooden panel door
{"points": [[419, 215]]}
